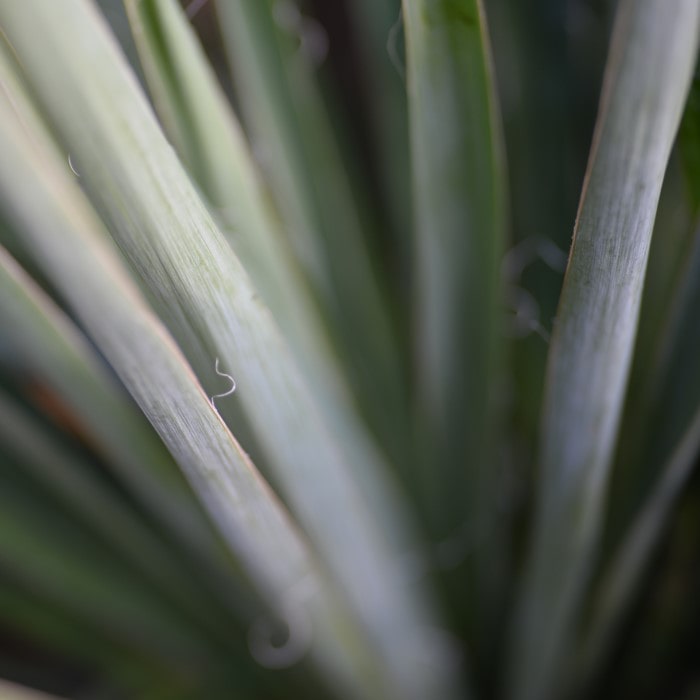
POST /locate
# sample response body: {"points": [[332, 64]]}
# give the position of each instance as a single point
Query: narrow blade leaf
{"points": [[649, 69]]}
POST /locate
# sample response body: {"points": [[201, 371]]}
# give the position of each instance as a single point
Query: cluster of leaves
{"points": [[346, 247]]}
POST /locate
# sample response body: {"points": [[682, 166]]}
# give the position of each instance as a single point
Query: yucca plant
{"points": [[294, 399]]}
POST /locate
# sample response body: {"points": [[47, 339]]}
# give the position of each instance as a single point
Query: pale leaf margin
{"points": [[194, 111], [47, 345], [201, 290], [653, 53], [68, 240]]}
